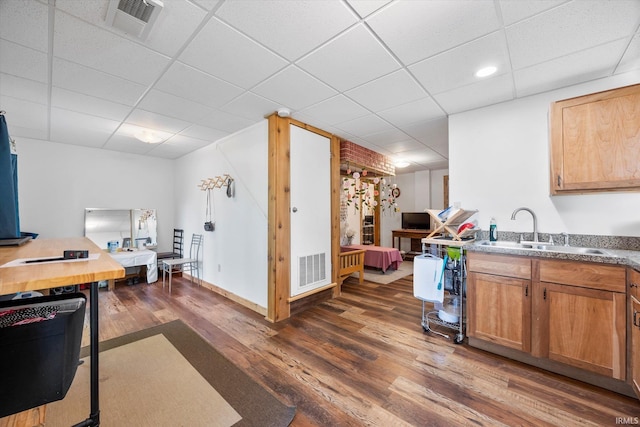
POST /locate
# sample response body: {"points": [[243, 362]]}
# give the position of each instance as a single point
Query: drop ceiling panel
{"points": [[250, 106], [25, 118], [412, 112], [364, 125], [167, 151], [294, 89], [184, 144], [24, 89], [79, 42], [92, 82], [70, 127], [23, 62], [354, 58], [225, 122], [388, 137], [290, 28], [401, 147], [78, 102], [203, 133], [456, 67], [564, 71], [207, 4], [367, 7], [231, 56], [335, 110], [25, 23], [187, 82], [513, 11], [161, 102], [434, 134], [175, 25], [415, 30], [492, 90], [569, 28], [156, 121], [424, 155], [389, 91]]}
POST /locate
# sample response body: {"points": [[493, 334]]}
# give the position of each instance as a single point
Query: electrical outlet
{"points": [[219, 268]]}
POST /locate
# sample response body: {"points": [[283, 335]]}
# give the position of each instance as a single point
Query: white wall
{"points": [[418, 191], [235, 253], [56, 182], [499, 161]]}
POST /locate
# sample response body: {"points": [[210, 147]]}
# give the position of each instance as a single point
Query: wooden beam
{"points": [[279, 228]]}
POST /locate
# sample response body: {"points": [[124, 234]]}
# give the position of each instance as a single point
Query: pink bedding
{"points": [[377, 256]]}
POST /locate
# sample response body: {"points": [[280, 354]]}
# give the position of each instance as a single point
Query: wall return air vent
{"points": [[134, 17]]}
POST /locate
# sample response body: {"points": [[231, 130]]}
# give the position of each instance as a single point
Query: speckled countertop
{"points": [[618, 250]]}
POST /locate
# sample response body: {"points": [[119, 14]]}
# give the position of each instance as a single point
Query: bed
{"points": [[351, 262], [379, 257]]}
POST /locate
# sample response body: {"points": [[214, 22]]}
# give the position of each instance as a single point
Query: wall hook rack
{"points": [[217, 182]]}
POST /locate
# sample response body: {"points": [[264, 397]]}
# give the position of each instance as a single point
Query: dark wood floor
{"points": [[363, 359]]}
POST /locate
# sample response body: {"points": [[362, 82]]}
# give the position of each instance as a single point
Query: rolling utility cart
{"points": [[445, 252]]}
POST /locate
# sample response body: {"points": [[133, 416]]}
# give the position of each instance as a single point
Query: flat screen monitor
{"points": [[416, 221]]}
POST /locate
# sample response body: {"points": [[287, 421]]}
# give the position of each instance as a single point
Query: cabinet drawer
{"points": [[500, 265], [634, 283], [588, 275]]}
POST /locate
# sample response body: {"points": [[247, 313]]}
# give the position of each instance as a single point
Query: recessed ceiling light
{"points": [[148, 137], [486, 71], [401, 163]]}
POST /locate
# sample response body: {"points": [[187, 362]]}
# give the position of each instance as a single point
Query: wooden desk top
{"points": [[410, 232], [51, 275]]}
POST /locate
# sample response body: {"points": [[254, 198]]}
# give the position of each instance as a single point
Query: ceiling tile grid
{"points": [[384, 74]]}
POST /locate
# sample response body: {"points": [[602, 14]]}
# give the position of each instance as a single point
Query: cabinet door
{"points": [[499, 310], [582, 327], [635, 345], [634, 283], [594, 142]]}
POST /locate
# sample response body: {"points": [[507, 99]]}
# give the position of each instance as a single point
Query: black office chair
{"points": [[178, 247], [40, 346]]}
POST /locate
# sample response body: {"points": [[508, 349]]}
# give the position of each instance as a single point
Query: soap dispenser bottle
{"points": [[493, 230]]}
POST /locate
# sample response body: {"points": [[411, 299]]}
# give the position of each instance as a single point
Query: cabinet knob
{"points": [[633, 285]]}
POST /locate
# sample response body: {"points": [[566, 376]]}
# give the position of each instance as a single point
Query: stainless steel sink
{"points": [[545, 247], [504, 244]]}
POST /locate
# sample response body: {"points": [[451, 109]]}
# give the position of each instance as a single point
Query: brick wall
{"points": [[359, 156]]}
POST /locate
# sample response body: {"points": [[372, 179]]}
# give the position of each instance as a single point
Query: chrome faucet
{"points": [[535, 221]]}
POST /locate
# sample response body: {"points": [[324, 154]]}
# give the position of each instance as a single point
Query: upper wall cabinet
{"points": [[595, 142]]}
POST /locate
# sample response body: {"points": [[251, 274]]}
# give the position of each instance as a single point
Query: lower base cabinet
{"points": [[556, 313]]}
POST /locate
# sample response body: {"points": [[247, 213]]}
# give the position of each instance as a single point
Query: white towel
{"points": [[427, 278]]}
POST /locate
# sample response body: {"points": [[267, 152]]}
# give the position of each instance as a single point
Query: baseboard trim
{"points": [[233, 297]]}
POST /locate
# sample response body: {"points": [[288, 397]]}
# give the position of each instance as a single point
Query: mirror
{"points": [[126, 226]]}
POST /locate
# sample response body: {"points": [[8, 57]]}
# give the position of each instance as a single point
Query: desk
{"points": [[411, 234], [52, 275], [135, 258]]}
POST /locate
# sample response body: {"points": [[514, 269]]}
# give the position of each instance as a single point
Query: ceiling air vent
{"points": [[134, 17]]}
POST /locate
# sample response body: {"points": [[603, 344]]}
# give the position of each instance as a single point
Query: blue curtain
{"points": [[9, 213]]}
